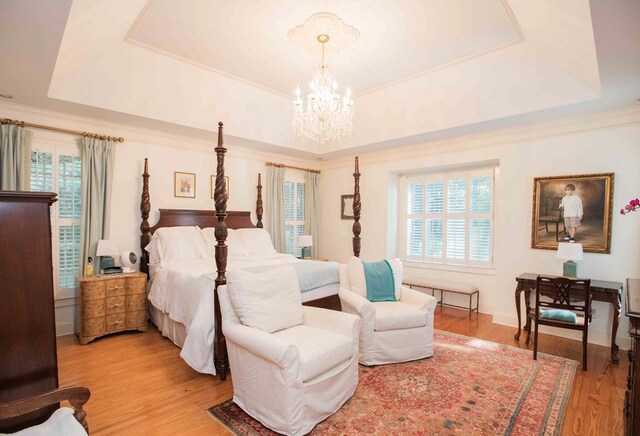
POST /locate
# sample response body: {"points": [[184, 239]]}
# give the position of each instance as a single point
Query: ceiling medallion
{"points": [[326, 115]]}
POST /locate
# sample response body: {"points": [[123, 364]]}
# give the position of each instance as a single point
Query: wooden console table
{"points": [[632, 395], [609, 292]]}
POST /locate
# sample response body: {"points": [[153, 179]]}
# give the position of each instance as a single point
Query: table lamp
{"points": [[570, 252], [306, 242], [106, 249]]}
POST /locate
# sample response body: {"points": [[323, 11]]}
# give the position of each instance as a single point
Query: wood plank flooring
{"points": [[140, 385]]}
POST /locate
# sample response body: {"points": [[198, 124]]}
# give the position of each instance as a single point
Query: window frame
{"points": [[57, 148], [445, 176]]}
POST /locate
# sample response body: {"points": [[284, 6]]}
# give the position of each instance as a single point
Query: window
{"points": [[59, 169], [448, 218], [294, 210]]}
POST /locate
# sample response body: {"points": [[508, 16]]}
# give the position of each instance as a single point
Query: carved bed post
{"points": [[145, 208], [356, 210], [259, 209], [220, 360]]}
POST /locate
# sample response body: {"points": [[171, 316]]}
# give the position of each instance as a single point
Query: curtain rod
{"points": [[277, 165], [57, 129]]}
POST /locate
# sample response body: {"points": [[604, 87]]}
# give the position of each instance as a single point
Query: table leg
{"points": [[518, 291], [527, 304], [616, 301]]}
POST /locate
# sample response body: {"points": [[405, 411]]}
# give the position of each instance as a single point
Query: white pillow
{"points": [[235, 244], [180, 243], [257, 241], [269, 301], [358, 283]]}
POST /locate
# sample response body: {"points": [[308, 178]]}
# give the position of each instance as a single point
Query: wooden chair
{"points": [[565, 297], [76, 395], [552, 214]]}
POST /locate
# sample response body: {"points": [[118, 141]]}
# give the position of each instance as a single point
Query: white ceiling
{"points": [[253, 46], [423, 71]]}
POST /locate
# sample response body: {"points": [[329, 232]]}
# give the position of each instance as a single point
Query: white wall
{"points": [[167, 153], [596, 144], [603, 143]]}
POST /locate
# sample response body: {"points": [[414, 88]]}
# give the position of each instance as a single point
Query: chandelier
{"points": [[325, 115]]}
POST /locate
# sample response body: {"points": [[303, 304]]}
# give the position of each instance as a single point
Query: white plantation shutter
{"points": [[41, 171], [480, 191], [434, 238], [414, 237], [449, 218], [480, 239], [480, 224], [414, 198], [68, 255], [61, 173], [456, 198], [415, 207], [435, 197], [294, 215], [456, 239]]}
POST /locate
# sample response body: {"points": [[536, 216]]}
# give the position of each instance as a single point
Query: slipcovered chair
{"points": [[287, 377], [390, 331], [65, 421]]}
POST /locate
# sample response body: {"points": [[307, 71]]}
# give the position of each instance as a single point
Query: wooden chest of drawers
{"points": [[112, 304]]}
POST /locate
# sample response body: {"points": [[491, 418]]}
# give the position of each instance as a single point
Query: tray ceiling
{"points": [[247, 40]]}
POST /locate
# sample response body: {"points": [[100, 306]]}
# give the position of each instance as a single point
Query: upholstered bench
{"points": [[445, 286]]}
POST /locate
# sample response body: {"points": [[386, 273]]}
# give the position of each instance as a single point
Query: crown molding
{"points": [[564, 126], [140, 135]]}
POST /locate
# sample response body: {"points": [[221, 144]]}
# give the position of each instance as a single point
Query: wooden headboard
{"points": [[201, 218]]}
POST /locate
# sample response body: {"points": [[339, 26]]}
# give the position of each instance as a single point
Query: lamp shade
{"points": [[569, 251], [305, 241], [107, 248]]}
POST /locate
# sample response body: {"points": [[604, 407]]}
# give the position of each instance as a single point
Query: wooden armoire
{"points": [[28, 360]]}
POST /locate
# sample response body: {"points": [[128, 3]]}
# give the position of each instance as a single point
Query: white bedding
{"points": [[184, 291]]}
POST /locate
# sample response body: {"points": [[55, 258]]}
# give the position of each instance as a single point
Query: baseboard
{"points": [[595, 337], [64, 328]]}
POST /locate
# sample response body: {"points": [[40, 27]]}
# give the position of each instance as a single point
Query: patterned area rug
{"points": [[469, 386]]}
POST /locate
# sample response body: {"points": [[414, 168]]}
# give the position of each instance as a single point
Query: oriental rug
{"points": [[469, 386]]}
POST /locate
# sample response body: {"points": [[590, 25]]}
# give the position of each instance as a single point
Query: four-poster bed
{"points": [[222, 220]]}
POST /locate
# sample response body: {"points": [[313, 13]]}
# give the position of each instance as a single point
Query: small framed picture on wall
{"points": [[346, 207], [184, 185], [213, 185]]}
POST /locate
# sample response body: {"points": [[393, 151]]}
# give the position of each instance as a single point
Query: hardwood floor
{"points": [[140, 385]]}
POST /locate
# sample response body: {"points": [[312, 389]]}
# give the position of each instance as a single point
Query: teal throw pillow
{"points": [[559, 315], [379, 280]]}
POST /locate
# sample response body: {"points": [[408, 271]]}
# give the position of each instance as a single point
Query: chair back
{"points": [[552, 206], [564, 293]]}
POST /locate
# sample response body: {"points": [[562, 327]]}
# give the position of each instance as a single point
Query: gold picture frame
{"points": [[184, 185], [547, 221], [213, 186]]}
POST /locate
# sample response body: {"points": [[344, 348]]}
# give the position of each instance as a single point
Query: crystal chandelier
{"points": [[326, 115]]}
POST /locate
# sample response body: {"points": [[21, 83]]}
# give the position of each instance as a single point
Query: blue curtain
{"points": [[98, 160], [311, 212], [15, 159], [275, 207]]}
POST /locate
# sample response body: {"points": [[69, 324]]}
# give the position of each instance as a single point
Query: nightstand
{"points": [[112, 303]]}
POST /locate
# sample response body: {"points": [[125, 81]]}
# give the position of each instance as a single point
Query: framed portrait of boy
{"points": [[573, 209]]}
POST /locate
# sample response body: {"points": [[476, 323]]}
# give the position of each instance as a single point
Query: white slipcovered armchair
{"points": [[293, 378], [391, 331]]}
